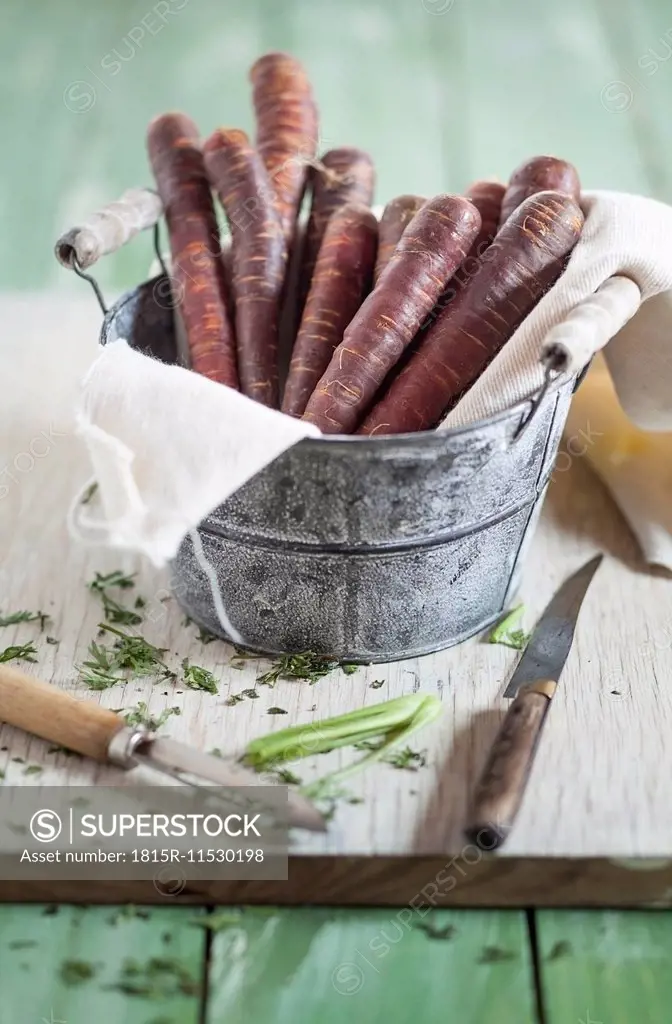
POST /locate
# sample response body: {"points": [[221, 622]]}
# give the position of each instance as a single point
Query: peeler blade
{"points": [[173, 758]]}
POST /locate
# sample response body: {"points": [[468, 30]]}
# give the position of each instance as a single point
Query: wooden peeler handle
{"points": [[47, 712], [501, 786]]}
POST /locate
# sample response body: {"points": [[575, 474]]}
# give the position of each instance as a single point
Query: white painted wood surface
{"points": [[601, 784]]}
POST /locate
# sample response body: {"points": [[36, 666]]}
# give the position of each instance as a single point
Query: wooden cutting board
{"points": [[595, 827]]}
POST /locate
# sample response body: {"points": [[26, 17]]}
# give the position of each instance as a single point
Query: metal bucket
{"points": [[367, 549]]}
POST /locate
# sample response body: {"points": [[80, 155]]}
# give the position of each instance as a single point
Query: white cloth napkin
{"points": [[625, 237], [167, 446]]}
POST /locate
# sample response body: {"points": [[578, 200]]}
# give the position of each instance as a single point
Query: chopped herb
{"points": [[113, 611], [237, 698], [2, 774], [432, 932], [276, 711], [297, 666], [140, 715], [205, 636], [503, 633], [52, 640], [135, 653], [16, 617], [23, 652], [197, 678], [158, 978], [18, 760], [286, 777], [376, 684], [407, 758], [112, 579], [76, 972], [216, 752], [89, 493], [139, 602], [22, 944], [33, 769], [128, 652], [495, 955], [63, 750], [98, 672], [349, 668], [186, 621]]}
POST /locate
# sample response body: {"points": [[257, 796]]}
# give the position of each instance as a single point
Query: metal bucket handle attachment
{"points": [[551, 374], [108, 230]]}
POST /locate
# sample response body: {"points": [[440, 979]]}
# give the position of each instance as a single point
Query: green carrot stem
{"points": [[501, 631], [427, 711], [300, 741], [393, 720]]}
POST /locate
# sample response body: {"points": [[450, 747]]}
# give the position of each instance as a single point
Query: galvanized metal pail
{"points": [[367, 549]]}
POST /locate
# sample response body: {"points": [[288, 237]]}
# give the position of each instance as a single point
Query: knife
{"points": [[87, 728], [500, 789]]}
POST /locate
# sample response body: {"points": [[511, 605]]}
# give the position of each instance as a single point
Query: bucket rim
{"points": [[366, 442]]}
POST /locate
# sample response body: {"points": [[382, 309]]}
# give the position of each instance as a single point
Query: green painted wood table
{"points": [[440, 91]]}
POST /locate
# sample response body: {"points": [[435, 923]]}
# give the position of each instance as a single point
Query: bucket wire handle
{"points": [[554, 364], [156, 240], [92, 281]]}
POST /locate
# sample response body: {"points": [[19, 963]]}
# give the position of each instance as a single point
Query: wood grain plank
{"points": [[600, 785], [337, 966], [71, 964], [469, 879], [605, 968]]}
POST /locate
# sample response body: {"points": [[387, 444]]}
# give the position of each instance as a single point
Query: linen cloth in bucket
{"points": [[167, 446]]}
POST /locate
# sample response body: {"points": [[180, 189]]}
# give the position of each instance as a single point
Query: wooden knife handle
{"points": [[47, 712], [500, 789]]}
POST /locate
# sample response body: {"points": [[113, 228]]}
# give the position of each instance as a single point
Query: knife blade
{"points": [[499, 792]]}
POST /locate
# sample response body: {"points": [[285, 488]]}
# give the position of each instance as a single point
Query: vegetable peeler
{"points": [[88, 729]]}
